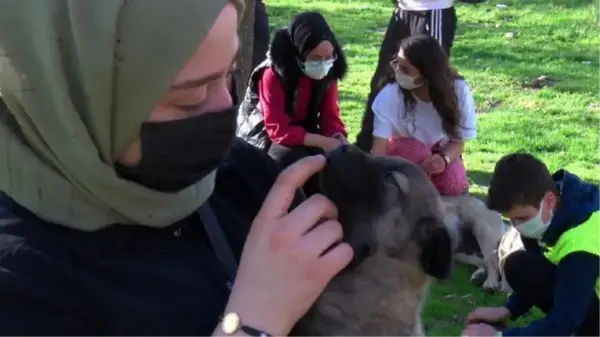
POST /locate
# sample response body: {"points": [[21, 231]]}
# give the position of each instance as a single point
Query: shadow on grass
{"points": [[517, 62], [566, 4], [521, 60], [345, 96], [353, 26], [480, 178]]}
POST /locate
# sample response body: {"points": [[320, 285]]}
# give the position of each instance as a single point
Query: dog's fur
{"points": [[470, 216], [393, 218], [510, 243]]}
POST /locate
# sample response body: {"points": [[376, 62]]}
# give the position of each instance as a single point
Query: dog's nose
{"points": [[343, 151], [340, 150], [344, 148]]}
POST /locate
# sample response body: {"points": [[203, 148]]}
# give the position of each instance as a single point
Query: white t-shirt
{"points": [[424, 123], [423, 5]]}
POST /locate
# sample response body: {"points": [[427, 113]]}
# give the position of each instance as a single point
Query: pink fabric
{"points": [[453, 181]]}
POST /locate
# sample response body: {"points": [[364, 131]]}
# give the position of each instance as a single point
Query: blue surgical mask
{"points": [[535, 227], [317, 69]]}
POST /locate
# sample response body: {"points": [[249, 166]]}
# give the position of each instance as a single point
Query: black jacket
{"points": [[127, 280]]}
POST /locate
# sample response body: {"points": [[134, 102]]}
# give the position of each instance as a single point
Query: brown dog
{"points": [[393, 217]]}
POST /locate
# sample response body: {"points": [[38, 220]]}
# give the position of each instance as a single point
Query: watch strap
{"points": [[250, 331], [231, 323]]}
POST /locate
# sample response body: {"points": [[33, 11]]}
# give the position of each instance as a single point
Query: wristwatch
{"points": [[232, 323]]}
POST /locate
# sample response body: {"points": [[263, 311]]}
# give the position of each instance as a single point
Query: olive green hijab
{"points": [[78, 78]]}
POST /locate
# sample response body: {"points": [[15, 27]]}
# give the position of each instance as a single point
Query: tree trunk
{"points": [[244, 63]]}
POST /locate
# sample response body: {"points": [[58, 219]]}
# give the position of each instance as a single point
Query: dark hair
{"points": [[519, 179], [425, 53]]}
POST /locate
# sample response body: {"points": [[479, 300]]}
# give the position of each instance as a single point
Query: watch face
{"points": [[231, 323]]}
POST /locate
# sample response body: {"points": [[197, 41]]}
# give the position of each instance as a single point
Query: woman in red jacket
{"points": [[291, 105]]}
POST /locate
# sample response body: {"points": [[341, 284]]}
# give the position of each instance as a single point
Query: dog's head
{"points": [[388, 204]]}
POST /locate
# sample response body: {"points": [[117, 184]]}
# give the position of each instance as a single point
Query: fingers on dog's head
{"points": [[336, 258], [315, 209], [324, 235], [283, 191]]}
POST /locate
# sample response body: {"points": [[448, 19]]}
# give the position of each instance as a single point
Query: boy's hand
{"points": [[480, 330], [491, 315]]}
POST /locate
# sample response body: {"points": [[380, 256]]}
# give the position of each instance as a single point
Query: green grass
{"points": [[557, 38]]}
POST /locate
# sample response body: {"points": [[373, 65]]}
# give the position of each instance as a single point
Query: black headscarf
{"points": [[307, 30]]}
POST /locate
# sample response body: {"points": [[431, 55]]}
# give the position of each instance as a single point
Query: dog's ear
{"points": [[436, 247], [401, 181]]}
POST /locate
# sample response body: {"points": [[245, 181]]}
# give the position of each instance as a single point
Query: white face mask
{"points": [[405, 81], [535, 227], [317, 69]]}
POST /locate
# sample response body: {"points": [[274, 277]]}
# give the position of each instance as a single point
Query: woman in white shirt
{"points": [[425, 112]]}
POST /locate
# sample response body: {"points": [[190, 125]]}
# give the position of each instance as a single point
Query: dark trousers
{"points": [[286, 156], [261, 34], [439, 23], [532, 276]]}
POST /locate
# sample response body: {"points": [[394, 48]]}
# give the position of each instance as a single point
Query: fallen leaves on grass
{"points": [[543, 81], [594, 106], [488, 106]]}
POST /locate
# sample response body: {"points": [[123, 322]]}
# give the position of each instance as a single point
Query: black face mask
{"points": [[179, 153]]}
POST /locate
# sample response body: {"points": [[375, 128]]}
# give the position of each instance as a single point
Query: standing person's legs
{"points": [[398, 29], [261, 34], [442, 26], [533, 277]]}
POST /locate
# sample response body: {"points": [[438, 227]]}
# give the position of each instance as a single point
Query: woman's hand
{"points": [[287, 261], [342, 139], [324, 143], [435, 164], [329, 143]]}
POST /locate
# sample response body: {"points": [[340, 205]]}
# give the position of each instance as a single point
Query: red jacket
{"points": [[278, 122]]}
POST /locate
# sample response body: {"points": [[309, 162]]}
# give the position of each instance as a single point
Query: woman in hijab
{"points": [[291, 107], [120, 211]]}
